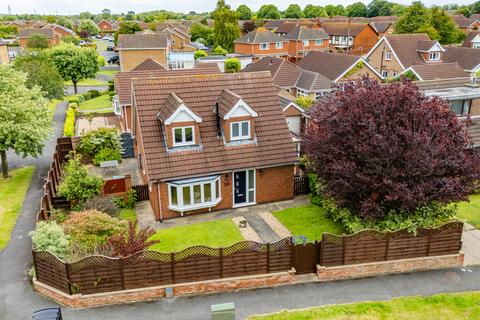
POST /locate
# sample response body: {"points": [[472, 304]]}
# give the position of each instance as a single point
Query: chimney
{"points": [[217, 112]]}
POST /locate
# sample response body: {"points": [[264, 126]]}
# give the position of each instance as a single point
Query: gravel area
{"points": [[248, 233], [275, 225]]}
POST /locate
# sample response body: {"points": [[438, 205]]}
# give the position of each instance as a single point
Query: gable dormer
{"points": [[238, 117], [431, 51], [181, 124]]}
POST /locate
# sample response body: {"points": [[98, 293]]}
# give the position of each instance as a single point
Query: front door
{"points": [[240, 187]]}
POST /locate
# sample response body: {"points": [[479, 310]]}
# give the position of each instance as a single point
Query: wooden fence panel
{"points": [[51, 271], [301, 185], [114, 186], [95, 274], [142, 192]]}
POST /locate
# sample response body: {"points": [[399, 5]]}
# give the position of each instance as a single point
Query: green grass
{"points": [[12, 194], [108, 72], [218, 233], [470, 211], [101, 102], [101, 45], [88, 82], [307, 221], [127, 214], [52, 106], [454, 306]]}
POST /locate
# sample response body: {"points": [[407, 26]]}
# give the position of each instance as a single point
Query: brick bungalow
{"points": [[260, 43], [211, 142], [354, 37], [52, 36]]}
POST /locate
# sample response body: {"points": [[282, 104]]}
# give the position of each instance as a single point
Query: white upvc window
{"points": [[279, 45], [306, 43], [318, 42], [194, 194], [264, 46], [240, 130], [318, 95], [183, 136], [388, 56], [434, 56], [384, 73], [302, 93]]}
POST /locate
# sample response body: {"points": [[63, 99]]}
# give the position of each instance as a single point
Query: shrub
{"points": [[87, 95], [94, 93], [125, 244], [77, 99], [103, 204], [69, 125], [49, 236], [106, 154], [232, 65], [219, 50], [200, 53], [111, 85], [90, 229], [315, 196], [130, 201], [77, 185], [305, 102], [96, 140]]}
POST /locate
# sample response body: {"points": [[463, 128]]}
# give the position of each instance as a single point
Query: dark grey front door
{"points": [[240, 185]]}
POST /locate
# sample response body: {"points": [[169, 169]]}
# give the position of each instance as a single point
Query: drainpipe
{"points": [[381, 61], [159, 202]]}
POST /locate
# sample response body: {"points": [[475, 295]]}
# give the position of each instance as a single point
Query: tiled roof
{"points": [[313, 81], [300, 32], [461, 20], [260, 35], [288, 26], [226, 101], [405, 47], [149, 64], [439, 71], [469, 38], [142, 41], [171, 104], [380, 26], [425, 45], [272, 145], [286, 98], [442, 83], [329, 64], [123, 80], [25, 33], [467, 58], [344, 29], [284, 73]]}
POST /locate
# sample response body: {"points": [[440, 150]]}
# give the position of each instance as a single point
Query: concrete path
{"points": [[262, 228], [471, 244]]}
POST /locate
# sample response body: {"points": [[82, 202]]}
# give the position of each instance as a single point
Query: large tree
{"points": [[293, 12], [314, 11], [357, 9], [333, 11], [203, 33], [37, 41], [88, 28], [75, 63], [41, 72], [127, 27], [225, 28], [24, 117], [244, 12], [447, 30], [379, 149], [268, 11], [416, 19], [379, 8]]}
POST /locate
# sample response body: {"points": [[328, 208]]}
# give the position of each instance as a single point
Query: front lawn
{"points": [[307, 221], [470, 211], [127, 214], [218, 233], [12, 194], [454, 306], [88, 82], [110, 73], [101, 102]]}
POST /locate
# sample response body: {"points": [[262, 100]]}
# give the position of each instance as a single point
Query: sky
{"points": [[119, 6]]}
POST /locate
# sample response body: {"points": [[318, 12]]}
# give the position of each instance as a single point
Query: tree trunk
{"points": [[3, 155], [74, 86]]}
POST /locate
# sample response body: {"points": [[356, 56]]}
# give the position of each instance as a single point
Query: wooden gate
{"points": [[306, 257], [142, 192]]}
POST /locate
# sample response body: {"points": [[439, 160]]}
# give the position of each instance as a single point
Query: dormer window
{"points": [[434, 56], [183, 136], [240, 130]]}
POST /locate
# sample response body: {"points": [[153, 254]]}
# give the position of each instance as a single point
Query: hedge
{"points": [[69, 126]]}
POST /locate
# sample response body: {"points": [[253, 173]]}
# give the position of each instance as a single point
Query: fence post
{"points": [[221, 262], [172, 266], [387, 245], [344, 250], [428, 244], [67, 273], [320, 262], [122, 278], [291, 252], [268, 257]]}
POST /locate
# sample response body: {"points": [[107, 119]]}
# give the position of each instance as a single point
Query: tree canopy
{"points": [[333, 11], [232, 65], [37, 41], [313, 11], [244, 12], [127, 27], [24, 116], [379, 8], [447, 30], [269, 11], [87, 28], [225, 28], [379, 149], [357, 9], [293, 12], [202, 32]]}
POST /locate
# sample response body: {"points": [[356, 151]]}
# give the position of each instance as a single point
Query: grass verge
{"points": [[307, 221], [88, 82], [470, 211], [101, 102], [218, 233], [454, 306], [12, 194]]}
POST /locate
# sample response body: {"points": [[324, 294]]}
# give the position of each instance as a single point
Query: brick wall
{"points": [[136, 295], [375, 60], [366, 39], [387, 267], [292, 112], [254, 49], [475, 107], [129, 59]]}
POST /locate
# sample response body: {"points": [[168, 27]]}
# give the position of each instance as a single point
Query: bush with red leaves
{"points": [[130, 242]]}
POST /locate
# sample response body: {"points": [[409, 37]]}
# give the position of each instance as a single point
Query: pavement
{"points": [[18, 301]]}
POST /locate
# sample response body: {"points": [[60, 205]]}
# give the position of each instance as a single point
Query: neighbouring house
{"points": [[472, 40], [123, 86], [244, 59], [134, 49], [352, 37], [288, 26], [303, 39], [427, 72], [4, 58], [149, 64], [52, 36], [331, 68], [382, 27], [105, 26], [211, 142], [467, 58], [395, 53], [260, 43], [467, 24]]}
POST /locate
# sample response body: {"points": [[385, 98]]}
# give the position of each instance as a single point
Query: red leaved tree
{"points": [[130, 242], [378, 148]]}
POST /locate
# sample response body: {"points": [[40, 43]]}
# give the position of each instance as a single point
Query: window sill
{"points": [[195, 206], [244, 204]]}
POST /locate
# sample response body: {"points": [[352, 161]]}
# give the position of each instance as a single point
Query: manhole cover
{"points": [[452, 276]]}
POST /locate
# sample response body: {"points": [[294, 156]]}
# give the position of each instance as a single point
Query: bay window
{"points": [[191, 194]]}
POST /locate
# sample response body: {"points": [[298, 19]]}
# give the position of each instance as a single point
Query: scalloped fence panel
{"points": [[372, 246]]}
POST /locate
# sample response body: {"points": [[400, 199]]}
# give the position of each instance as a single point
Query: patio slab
{"points": [[85, 124], [127, 166]]}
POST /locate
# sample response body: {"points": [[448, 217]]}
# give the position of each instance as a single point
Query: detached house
{"points": [[52, 36], [211, 142], [467, 24], [303, 39], [355, 37], [262, 42], [467, 58], [105, 26], [472, 40]]}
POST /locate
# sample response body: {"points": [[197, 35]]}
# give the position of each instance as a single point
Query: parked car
{"points": [[110, 48], [82, 42], [12, 54], [114, 59], [54, 313]]}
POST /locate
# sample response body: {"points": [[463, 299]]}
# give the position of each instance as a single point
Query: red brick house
{"points": [[260, 43], [303, 39], [105, 26], [354, 37], [211, 142], [472, 40], [52, 36]]}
